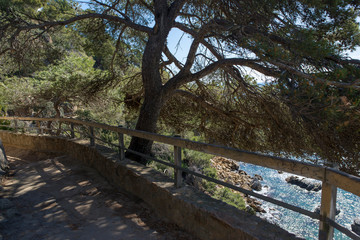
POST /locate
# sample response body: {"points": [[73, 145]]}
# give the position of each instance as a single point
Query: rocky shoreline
{"points": [[305, 183], [228, 171]]}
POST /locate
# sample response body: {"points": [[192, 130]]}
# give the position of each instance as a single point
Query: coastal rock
{"points": [[224, 163], [256, 185], [242, 172], [258, 177], [356, 226], [193, 180], [317, 210], [304, 183], [229, 172], [256, 205]]}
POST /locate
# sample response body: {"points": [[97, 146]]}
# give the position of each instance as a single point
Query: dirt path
{"points": [[50, 197]]}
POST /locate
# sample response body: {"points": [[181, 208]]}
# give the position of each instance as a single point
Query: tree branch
{"points": [[354, 85], [212, 108], [198, 38], [172, 58], [113, 18], [252, 63]]}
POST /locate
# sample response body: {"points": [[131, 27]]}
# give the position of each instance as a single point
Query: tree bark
{"points": [[155, 93], [153, 100], [148, 116]]}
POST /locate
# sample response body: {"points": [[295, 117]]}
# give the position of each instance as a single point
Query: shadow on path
{"points": [[55, 198]]}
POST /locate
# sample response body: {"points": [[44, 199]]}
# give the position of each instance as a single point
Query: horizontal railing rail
{"points": [[331, 178]]}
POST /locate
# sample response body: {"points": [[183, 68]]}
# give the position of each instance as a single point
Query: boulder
{"points": [[356, 226], [191, 179], [256, 205], [242, 172], [304, 183], [317, 210], [256, 185], [258, 177]]}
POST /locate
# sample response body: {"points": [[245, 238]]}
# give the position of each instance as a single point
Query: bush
{"points": [[231, 198]]}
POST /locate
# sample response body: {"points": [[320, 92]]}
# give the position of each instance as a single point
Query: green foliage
{"points": [[224, 194], [231, 198], [4, 123], [63, 84], [196, 158], [68, 78], [210, 187]]}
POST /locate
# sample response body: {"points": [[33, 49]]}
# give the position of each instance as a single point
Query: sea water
{"points": [[275, 186]]}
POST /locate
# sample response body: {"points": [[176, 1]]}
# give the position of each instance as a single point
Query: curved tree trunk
{"points": [[153, 100], [155, 93], [148, 116]]}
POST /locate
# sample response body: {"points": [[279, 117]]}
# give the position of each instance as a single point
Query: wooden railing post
{"points": [[327, 209], [92, 139], [177, 161], [16, 125], [72, 130], [40, 129], [121, 145], [58, 132]]}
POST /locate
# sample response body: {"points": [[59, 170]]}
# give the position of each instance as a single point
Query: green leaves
{"points": [[65, 81], [68, 78]]}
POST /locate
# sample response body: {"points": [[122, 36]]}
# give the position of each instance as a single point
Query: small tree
{"points": [[65, 82]]}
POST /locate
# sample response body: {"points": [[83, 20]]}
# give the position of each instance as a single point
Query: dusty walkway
{"points": [[50, 197]]}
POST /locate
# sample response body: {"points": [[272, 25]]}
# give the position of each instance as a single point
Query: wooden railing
{"points": [[330, 177]]}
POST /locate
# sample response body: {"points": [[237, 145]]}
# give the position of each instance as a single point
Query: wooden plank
{"points": [[327, 210], [92, 139], [121, 146], [343, 229], [343, 180], [16, 125], [177, 161], [72, 130]]}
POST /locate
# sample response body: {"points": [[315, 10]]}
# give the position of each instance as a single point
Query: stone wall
{"points": [[187, 207]]}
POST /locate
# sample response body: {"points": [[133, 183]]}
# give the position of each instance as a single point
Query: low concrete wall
{"points": [[187, 207]]}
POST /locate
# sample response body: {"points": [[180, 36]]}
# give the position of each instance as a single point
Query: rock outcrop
{"points": [[256, 185], [356, 226], [317, 210], [228, 171], [304, 183]]}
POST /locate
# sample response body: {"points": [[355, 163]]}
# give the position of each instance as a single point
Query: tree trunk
{"points": [[148, 116], [151, 77]]}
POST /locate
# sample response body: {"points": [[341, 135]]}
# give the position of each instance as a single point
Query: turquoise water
{"points": [[278, 188]]}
